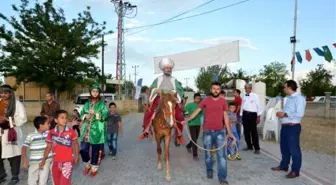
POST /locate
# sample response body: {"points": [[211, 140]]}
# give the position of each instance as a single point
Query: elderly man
{"points": [[290, 119], [12, 116], [165, 83], [250, 112]]}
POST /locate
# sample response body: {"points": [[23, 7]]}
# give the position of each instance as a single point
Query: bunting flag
{"points": [[327, 54], [214, 77], [319, 52], [138, 89], [308, 55], [324, 52], [298, 57]]}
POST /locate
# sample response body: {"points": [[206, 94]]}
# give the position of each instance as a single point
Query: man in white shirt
{"points": [[250, 112]]}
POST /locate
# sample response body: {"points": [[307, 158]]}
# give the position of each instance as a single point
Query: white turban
{"points": [[166, 62]]}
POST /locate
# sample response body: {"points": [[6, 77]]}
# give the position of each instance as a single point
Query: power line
{"points": [[188, 17], [199, 6], [170, 19]]}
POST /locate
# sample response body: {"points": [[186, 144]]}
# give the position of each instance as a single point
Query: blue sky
{"points": [[262, 26]]}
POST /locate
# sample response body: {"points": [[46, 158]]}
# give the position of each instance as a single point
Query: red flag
{"points": [[334, 45], [308, 55]]}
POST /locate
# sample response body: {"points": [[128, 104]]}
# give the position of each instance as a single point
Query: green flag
{"points": [[327, 54]]}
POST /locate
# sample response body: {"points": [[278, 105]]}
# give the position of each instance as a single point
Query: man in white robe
{"points": [[12, 117]]}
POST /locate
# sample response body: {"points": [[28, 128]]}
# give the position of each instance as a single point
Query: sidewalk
{"points": [[319, 168]]}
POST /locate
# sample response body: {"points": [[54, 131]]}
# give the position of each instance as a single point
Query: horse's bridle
{"points": [[170, 113]]}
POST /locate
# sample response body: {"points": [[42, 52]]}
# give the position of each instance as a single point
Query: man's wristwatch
{"points": [[285, 115]]}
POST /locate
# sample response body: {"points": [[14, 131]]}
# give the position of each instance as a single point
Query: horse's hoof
{"points": [[159, 167], [168, 178]]}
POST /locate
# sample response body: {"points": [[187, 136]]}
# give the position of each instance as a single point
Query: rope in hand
{"points": [[200, 147]]}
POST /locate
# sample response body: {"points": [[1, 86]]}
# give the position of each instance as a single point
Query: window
{"points": [[81, 100], [333, 99], [321, 99]]}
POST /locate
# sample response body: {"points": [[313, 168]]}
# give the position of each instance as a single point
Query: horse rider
{"points": [[165, 83]]}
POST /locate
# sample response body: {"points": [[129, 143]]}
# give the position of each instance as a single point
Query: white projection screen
{"points": [[217, 55]]}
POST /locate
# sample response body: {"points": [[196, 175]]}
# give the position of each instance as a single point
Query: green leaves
{"points": [[44, 48], [274, 75], [204, 77], [317, 82]]}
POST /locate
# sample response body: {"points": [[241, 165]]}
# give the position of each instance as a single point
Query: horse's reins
{"points": [[149, 107], [200, 147]]}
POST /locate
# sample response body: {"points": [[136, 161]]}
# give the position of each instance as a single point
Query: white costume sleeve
{"points": [[20, 116]]}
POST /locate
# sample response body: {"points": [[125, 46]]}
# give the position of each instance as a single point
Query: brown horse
{"points": [[162, 123]]}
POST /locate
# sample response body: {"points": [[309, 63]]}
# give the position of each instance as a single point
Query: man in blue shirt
{"points": [[290, 119]]}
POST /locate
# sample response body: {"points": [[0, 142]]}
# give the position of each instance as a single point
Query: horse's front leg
{"points": [[166, 144], [158, 151]]}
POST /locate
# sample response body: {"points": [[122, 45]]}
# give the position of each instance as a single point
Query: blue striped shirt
{"points": [[36, 142]]}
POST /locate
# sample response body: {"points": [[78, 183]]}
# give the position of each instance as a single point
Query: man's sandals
{"points": [[145, 135], [179, 140]]}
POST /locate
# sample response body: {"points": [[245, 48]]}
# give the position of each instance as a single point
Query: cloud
{"points": [[302, 74], [244, 42], [133, 23]]}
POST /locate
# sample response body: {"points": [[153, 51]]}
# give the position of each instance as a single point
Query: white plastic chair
{"points": [[271, 124]]}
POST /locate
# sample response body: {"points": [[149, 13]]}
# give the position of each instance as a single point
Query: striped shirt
{"points": [[36, 142]]}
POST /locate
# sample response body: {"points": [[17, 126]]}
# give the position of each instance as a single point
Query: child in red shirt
{"points": [[62, 140]]}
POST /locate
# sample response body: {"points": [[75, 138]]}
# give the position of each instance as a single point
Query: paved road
{"points": [[136, 165]]}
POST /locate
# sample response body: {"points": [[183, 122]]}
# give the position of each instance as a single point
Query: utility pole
{"points": [[135, 73], [293, 40], [123, 9], [186, 79], [103, 46], [103, 55]]}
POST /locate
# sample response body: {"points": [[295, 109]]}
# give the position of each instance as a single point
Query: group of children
{"points": [[55, 147]]}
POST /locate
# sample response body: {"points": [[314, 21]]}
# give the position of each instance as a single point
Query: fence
{"points": [[318, 110], [124, 106]]}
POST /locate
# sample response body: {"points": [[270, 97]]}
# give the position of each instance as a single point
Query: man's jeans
{"points": [[112, 142], [290, 147], [232, 150], [238, 125], [216, 138]]}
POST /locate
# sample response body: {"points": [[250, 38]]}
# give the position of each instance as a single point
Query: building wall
{"points": [[124, 106], [33, 92]]}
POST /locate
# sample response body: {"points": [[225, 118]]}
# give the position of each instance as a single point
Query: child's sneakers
{"points": [[233, 157], [229, 157]]}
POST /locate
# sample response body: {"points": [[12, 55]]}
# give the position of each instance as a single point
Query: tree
{"points": [[188, 89], [47, 49], [317, 82], [204, 77], [333, 92], [274, 76], [240, 74], [143, 88]]}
